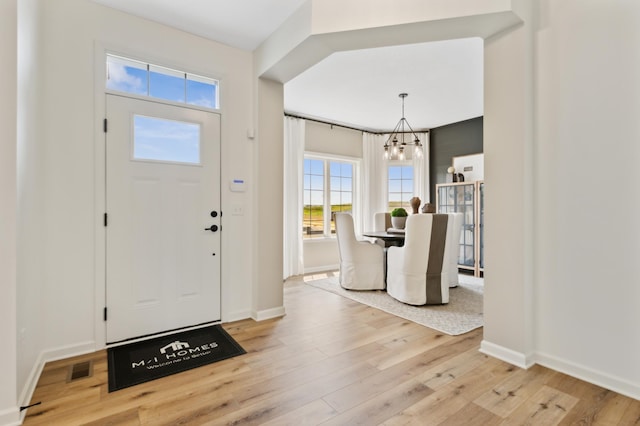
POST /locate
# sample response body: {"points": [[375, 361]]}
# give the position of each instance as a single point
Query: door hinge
{"points": [[105, 219], [104, 126], [105, 313]]}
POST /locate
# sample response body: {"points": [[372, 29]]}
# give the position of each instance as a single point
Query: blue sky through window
{"points": [[167, 87], [139, 78], [166, 140], [154, 138], [400, 185]]}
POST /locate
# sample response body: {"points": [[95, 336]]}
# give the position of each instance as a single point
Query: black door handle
{"points": [[212, 228]]}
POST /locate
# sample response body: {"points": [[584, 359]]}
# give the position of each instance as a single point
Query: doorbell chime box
{"points": [[237, 185]]}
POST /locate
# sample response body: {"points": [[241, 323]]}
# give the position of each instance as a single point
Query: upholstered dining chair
{"points": [[418, 272], [381, 221], [452, 254], [361, 262]]}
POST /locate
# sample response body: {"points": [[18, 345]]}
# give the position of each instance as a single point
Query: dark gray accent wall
{"points": [[452, 140]]}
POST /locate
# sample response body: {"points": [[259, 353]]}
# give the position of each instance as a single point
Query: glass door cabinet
{"points": [[465, 198]]}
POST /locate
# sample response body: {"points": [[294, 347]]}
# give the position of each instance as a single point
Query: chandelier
{"points": [[394, 149]]}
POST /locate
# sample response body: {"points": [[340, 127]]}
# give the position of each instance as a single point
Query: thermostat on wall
{"points": [[237, 185]]}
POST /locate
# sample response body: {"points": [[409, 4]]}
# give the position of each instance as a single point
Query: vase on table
{"points": [[398, 222]]}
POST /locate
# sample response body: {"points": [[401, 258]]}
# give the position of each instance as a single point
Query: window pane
{"points": [[347, 185], [335, 183], [313, 214], [140, 78], [338, 196], [313, 222], [395, 172], [335, 199], [166, 84], [317, 182], [202, 91], [395, 186], [317, 167], [125, 75], [166, 140], [400, 186]]}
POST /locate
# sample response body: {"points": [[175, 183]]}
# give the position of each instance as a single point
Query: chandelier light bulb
{"points": [[417, 151]]}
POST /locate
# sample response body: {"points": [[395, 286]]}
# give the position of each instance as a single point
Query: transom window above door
{"points": [[143, 79]]}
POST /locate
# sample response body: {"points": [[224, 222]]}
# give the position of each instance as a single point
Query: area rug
{"points": [[462, 314], [140, 362]]}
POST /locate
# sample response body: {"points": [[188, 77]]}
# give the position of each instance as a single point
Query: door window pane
{"points": [[158, 139]]}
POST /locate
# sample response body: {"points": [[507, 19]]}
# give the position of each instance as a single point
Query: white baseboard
{"points": [[10, 417], [607, 381], [507, 355], [325, 268], [268, 313], [44, 357], [236, 316], [616, 384]]}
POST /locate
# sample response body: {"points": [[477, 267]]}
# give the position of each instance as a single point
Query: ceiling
{"points": [[355, 88]]}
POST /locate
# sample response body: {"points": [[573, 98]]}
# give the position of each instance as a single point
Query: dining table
{"points": [[395, 238]]}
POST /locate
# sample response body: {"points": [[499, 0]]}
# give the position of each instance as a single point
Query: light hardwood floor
{"points": [[333, 361]]}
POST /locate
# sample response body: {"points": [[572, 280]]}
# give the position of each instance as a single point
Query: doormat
{"points": [[140, 362]]}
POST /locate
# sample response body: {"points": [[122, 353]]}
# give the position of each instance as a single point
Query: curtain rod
{"points": [[286, 114]]}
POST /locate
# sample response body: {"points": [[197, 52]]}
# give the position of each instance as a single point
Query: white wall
{"points": [[473, 162], [8, 205], [561, 200], [31, 207], [508, 301], [333, 140], [268, 295], [586, 155]]}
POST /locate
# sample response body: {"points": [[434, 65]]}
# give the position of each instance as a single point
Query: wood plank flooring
{"points": [[333, 361]]}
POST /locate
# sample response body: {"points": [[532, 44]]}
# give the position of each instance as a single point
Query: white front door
{"points": [[163, 190]]}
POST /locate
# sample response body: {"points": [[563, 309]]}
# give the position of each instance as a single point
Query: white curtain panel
{"points": [[374, 178], [421, 170], [294, 137]]}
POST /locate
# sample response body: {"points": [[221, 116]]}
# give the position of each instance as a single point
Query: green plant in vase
{"points": [[398, 217]]}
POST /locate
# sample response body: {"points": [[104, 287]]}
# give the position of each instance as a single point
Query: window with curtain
{"points": [[400, 186], [328, 188]]}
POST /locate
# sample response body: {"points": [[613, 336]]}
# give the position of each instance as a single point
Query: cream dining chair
{"points": [[418, 272], [452, 254], [361, 262]]}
